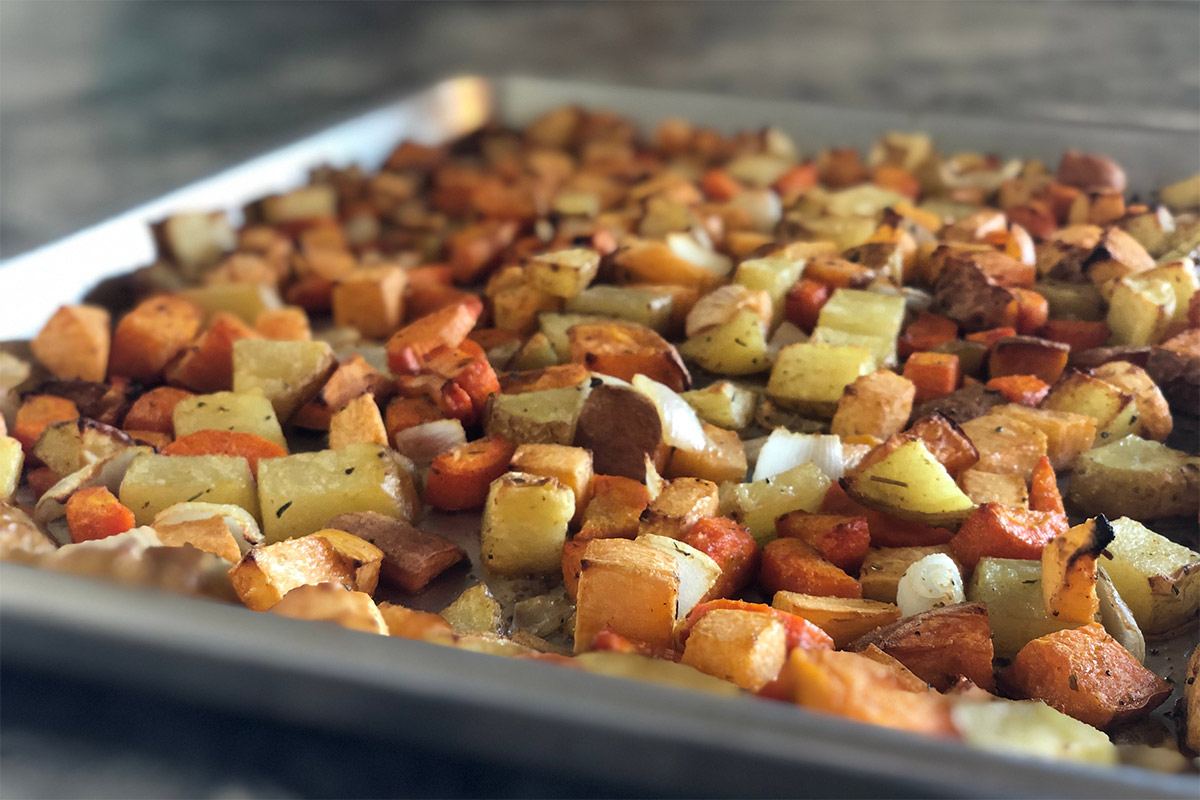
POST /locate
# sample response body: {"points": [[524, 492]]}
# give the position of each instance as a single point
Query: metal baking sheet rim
{"points": [[669, 739]]}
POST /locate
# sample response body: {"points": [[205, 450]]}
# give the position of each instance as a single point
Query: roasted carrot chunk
{"points": [[720, 186], [1005, 532], [1027, 390], [1076, 334], [926, 332], [1043, 489], [96, 513], [732, 547], [843, 540], [446, 327], [459, 479], [801, 633], [155, 410], [1086, 674], [249, 446], [792, 565], [467, 366], [803, 303], [39, 412], [990, 337], [933, 374]]}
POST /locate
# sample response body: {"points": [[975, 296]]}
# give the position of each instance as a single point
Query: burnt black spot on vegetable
{"points": [[196, 496], [282, 508], [350, 471], [1073, 682]]}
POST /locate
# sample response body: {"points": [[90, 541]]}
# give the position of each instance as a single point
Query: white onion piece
{"points": [[988, 180], [1024, 243], [681, 426], [758, 169], [933, 582], [422, 443], [753, 447], [240, 522], [761, 206], [787, 333], [785, 450], [686, 247], [722, 304]]}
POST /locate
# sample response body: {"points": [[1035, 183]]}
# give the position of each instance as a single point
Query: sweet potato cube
{"points": [[358, 422], [370, 299], [525, 523], [265, 574], [445, 327], [743, 647], [411, 557], [940, 645], [1084, 673], [843, 618], [732, 547], [1005, 532], [629, 587], [149, 336], [877, 405], [207, 366], [74, 343], [572, 564], [1005, 444], [678, 507], [614, 509], [329, 602], [794, 566], [1028, 355], [571, 466], [992, 487], [843, 540], [155, 410], [884, 566]]}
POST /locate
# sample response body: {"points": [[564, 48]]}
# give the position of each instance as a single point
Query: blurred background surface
{"points": [[107, 104]]}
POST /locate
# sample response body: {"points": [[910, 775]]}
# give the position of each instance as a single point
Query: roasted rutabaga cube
{"points": [[810, 378], [299, 494], [627, 586], [227, 411], [154, 482], [525, 524]]}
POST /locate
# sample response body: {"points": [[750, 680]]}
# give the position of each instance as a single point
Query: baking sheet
{"points": [[494, 708]]}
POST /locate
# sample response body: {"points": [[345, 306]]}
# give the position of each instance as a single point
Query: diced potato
{"points": [[1158, 579], [883, 568], [678, 506], [1012, 590], [1068, 435], [246, 301], [630, 587], [362, 556], [327, 602], [911, 484], [288, 373], [74, 343], [535, 353], [775, 275], [745, 648], [843, 618], [371, 300], [1136, 478], [736, 347], [228, 411], [878, 405], [195, 240], [867, 313], [1154, 415], [153, 482], [649, 307], [544, 417], [697, 572], [300, 493], [315, 200], [1183, 195], [268, 572], [757, 505], [991, 487], [723, 404], [570, 466], [882, 349], [1140, 312], [1030, 728], [12, 458], [1115, 411], [475, 611], [563, 273], [525, 524], [1181, 276], [811, 378], [68, 447], [1005, 445]]}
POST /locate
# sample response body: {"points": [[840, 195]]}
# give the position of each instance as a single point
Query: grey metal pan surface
{"points": [[519, 712]]}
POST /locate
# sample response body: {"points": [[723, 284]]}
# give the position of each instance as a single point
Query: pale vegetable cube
{"points": [[757, 505], [268, 572], [196, 240], [746, 648], [882, 349], [628, 586], [371, 300], [736, 347], [883, 568], [314, 200], [1012, 589], [327, 602], [475, 611], [359, 422], [1158, 579], [68, 447], [867, 313], [300, 493], [811, 378], [696, 570], [723, 404], [911, 484], [570, 466], [288, 373], [843, 618], [1181, 276], [12, 457], [525, 523], [876, 405], [227, 411], [154, 482], [1005, 445], [1140, 312], [1183, 195], [548, 416], [775, 275], [244, 300], [563, 273], [1030, 728], [649, 307]]}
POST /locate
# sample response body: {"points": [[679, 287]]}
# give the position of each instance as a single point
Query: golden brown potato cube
{"points": [[843, 618], [265, 574], [67, 447], [1005, 445], [525, 523], [371, 299], [884, 566], [994, 487], [364, 557], [308, 202], [288, 373], [75, 342], [627, 586], [195, 240], [811, 378], [722, 460], [745, 648], [359, 422], [330, 602], [571, 466], [1068, 435], [877, 405], [680, 505], [211, 535]]}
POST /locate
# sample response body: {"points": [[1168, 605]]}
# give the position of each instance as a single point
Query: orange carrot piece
{"points": [[842, 540], [1028, 390], [797, 180], [1060, 198], [1032, 310], [1005, 532], [207, 366], [933, 374], [1076, 334], [459, 479], [1043, 489], [609, 641], [803, 303], [801, 634], [41, 480], [794, 566], [446, 327], [155, 410], [249, 446], [926, 332], [39, 412], [991, 336], [467, 366], [720, 186], [96, 514], [732, 547], [897, 179]]}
